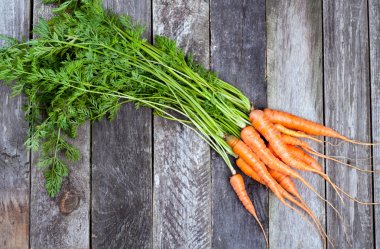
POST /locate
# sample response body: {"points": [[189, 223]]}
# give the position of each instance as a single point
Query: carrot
{"points": [[297, 142], [294, 133], [286, 182], [247, 170], [252, 138], [272, 135], [316, 153], [237, 183], [301, 155], [300, 124], [243, 151]]}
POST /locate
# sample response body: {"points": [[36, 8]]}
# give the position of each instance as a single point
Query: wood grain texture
{"points": [[49, 227], [14, 158], [347, 110], [182, 173], [238, 54], [122, 166], [374, 44], [295, 84]]}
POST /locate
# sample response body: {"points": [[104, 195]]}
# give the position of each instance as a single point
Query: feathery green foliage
{"points": [[86, 62]]}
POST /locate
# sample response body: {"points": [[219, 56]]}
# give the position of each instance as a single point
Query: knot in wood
{"points": [[68, 202]]}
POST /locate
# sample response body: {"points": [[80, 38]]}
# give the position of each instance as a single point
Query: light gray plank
{"points": [[347, 110], [295, 85], [14, 158], [374, 44], [182, 173], [122, 165], [238, 55], [54, 222]]}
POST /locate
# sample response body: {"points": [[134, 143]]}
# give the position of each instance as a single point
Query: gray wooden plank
{"points": [[14, 158], [347, 110], [182, 173], [122, 165], [374, 44], [295, 85], [238, 54], [54, 223]]}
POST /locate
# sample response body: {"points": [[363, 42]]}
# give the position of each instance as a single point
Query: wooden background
{"points": [[145, 182]]}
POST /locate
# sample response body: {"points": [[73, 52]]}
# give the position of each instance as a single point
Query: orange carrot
{"points": [[252, 138], [247, 170], [243, 151], [237, 183], [294, 133], [300, 124], [295, 141], [286, 182], [272, 135], [301, 155]]}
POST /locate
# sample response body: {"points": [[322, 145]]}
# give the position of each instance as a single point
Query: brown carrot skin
{"points": [[237, 183]]}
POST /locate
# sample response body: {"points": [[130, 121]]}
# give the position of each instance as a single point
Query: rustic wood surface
{"points": [[146, 182], [122, 165], [61, 222], [14, 158], [374, 45], [238, 55], [295, 84], [182, 173], [347, 110]]}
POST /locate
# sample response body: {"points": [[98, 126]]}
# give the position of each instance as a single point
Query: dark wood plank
{"points": [[238, 54], [122, 166], [374, 44], [14, 158], [182, 173], [53, 223], [347, 110], [295, 84]]}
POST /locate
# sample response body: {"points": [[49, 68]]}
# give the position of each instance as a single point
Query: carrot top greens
{"points": [[86, 62]]}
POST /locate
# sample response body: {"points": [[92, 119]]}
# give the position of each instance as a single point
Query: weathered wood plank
{"points": [[374, 44], [122, 166], [238, 54], [347, 110], [53, 223], [295, 84], [14, 158], [182, 173]]}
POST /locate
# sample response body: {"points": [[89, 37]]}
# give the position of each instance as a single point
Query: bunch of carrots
{"points": [[274, 164], [85, 62]]}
